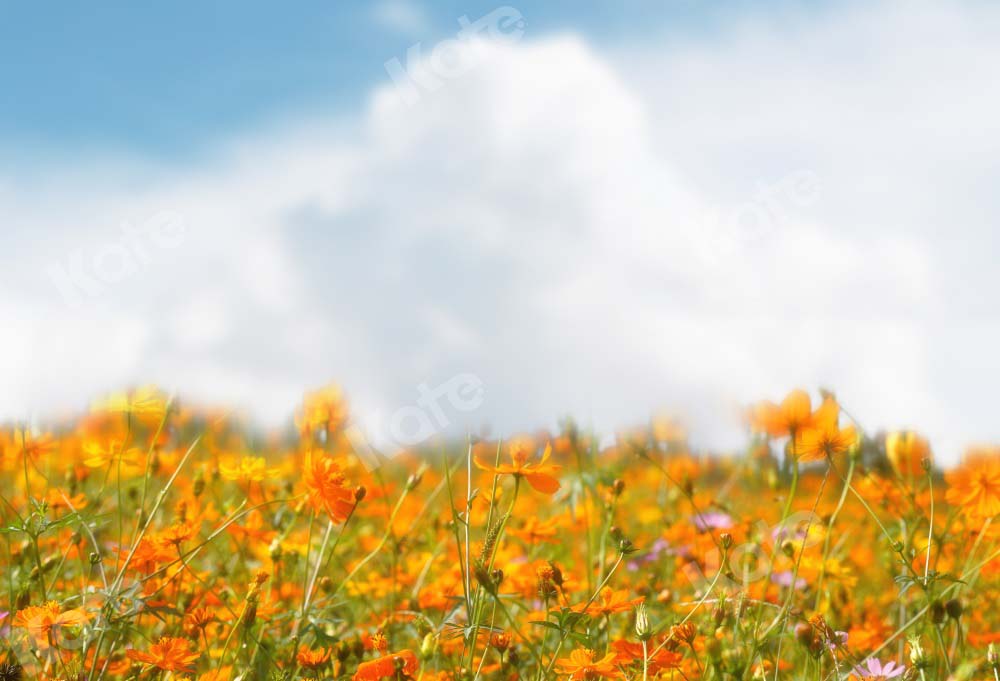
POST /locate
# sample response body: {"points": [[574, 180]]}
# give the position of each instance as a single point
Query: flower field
{"points": [[149, 539]]}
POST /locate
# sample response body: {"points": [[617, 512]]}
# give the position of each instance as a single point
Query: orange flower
{"points": [[778, 420], [975, 485], [169, 654], [906, 452], [540, 475], [198, 619], [177, 534], [376, 641], [629, 653], [312, 659], [582, 665], [609, 602], [823, 437], [327, 488], [31, 445], [535, 530], [386, 666], [44, 621], [322, 410]]}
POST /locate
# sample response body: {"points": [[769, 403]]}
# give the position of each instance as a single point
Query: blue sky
{"points": [[630, 207], [166, 79]]}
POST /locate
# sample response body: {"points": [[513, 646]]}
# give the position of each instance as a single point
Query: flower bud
{"points": [[500, 641], [917, 655], [642, 628], [427, 646], [937, 612], [954, 608], [199, 483], [557, 575]]}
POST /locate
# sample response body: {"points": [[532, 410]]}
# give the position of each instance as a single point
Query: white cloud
{"points": [[596, 233]]}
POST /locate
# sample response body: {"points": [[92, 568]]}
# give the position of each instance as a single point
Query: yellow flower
{"points": [[823, 437], [146, 401], [906, 451], [249, 469], [99, 455], [323, 409]]}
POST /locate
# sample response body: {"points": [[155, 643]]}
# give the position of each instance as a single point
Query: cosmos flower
{"points": [[146, 401], [822, 437], [386, 666], [327, 488], [248, 469], [609, 602], [784, 578], [873, 670], [44, 622], [582, 664], [627, 652], [712, 520], [906, 452], [322, 410], [540, 475], [169, 654], [778, 420], [312, 659], [975, 485]]}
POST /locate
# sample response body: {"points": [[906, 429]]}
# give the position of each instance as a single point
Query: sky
{"points": [[577, 209]]}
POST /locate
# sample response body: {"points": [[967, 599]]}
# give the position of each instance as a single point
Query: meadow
{"points": [[149, 539]]}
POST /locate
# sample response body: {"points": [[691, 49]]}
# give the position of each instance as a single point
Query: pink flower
{"points": [[874, 668]]}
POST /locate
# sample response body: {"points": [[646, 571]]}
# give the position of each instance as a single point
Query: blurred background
{"points": [[545, 208]]}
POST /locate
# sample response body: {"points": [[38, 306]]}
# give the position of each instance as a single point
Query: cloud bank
{"points": [[590, 231]]}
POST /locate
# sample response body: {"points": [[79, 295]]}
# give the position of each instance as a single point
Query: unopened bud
{"points": [[642, 628], [917, 655], [954, 608], [427, 646], [199, 483], [557, 575]]}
